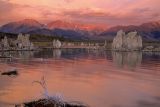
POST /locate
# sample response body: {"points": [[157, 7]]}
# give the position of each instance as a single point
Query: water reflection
{"points": [[83, 75], [153, 103], [129, 59], [57, 53], [12, 55]]}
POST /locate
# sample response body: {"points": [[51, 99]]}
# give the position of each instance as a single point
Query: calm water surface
{"points": [[97, 78]]}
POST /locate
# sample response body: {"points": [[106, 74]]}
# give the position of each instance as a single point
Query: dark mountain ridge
{"points": [[148, 31]]}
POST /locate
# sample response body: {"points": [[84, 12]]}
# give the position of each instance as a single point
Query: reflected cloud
{"points": [[109, 12]]}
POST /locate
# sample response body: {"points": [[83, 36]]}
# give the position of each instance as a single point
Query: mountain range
{"points": [[148, 31], [79, 31]]}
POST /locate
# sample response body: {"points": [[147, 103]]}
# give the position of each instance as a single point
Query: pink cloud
{"points": [[110, 12]]}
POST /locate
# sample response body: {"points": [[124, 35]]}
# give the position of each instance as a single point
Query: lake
{"points": [[97, 78]]}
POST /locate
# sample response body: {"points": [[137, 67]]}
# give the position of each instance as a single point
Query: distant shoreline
{"points": [[83, 47]]}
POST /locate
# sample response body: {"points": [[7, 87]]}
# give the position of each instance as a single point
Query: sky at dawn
{"points": [[109, 12]]}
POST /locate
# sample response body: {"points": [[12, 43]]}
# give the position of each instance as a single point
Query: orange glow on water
{"points": [[95, 82]]}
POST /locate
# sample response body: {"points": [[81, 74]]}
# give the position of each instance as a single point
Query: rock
{"points": [[82, 44], [96, 46], [151, 48], [32, 46], [9, 73], [105, 43], [4, 43], [26, 42], [157, 49], [19, 105], [127, 42], [57, 44], [50, 103], [148, 48], [118, 40], [23, 42], [20, 38], [54, 44]]}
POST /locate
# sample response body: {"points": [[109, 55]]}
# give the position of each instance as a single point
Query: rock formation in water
{"points": [[151, 49], [127, 42], [57, 44], [5, 43], [23, 42], [106, 45]]}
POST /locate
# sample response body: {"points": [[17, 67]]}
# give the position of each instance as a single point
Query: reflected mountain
{"points": [[129, 59]]}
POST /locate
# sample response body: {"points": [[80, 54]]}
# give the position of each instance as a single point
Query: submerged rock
{"points": [[127, 42]]}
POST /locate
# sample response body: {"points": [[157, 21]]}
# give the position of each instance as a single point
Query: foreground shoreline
{"points": [[51, 103]]}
